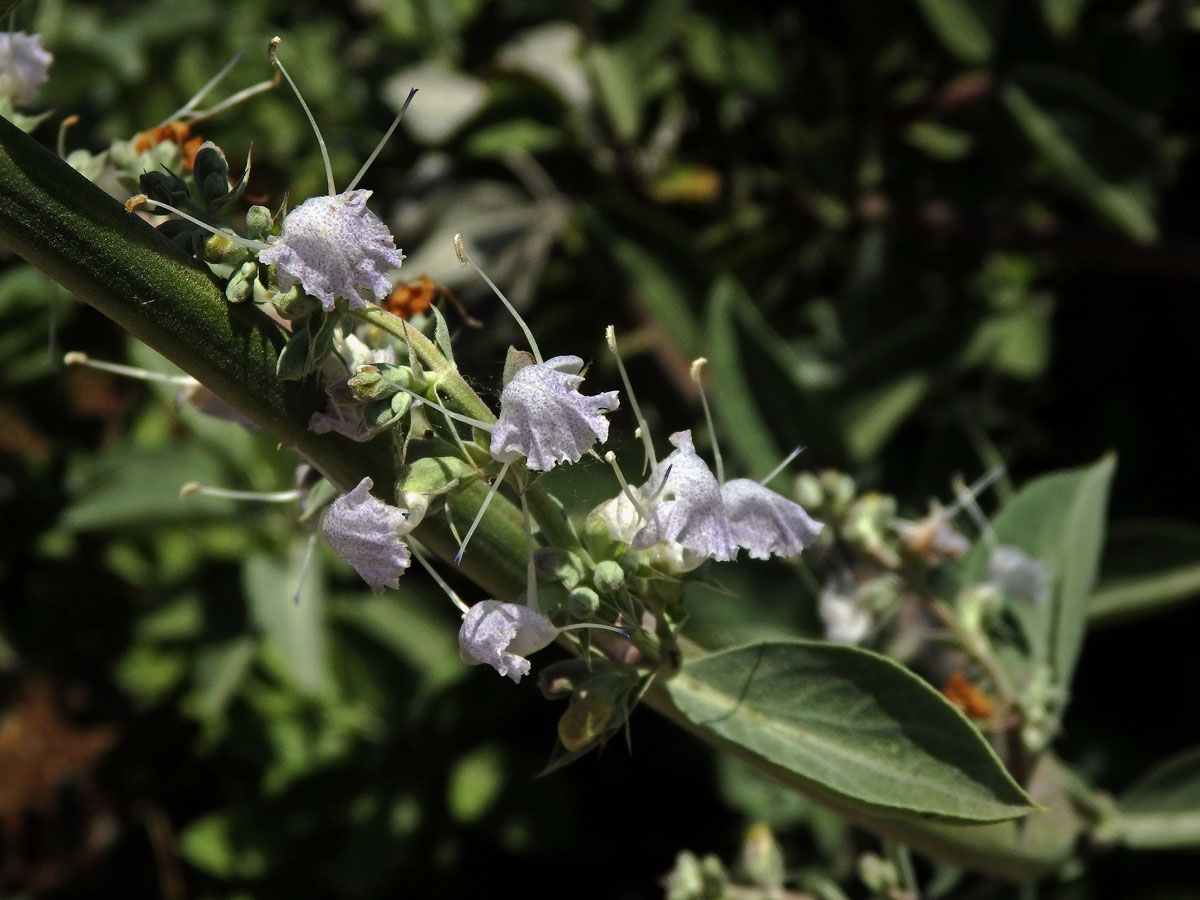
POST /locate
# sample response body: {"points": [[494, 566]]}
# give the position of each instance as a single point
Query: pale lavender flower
{"points": [[365, 532], [766, 523], [683, 501], [1017, 574], [23, 66], [545, 419], [502, 635], [335, 247]]}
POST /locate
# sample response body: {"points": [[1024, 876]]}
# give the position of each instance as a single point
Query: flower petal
{"points": [[684, 502], [502, 634], [335, 247], [23, 66], [766, 523], [545, 419], [365, 532]]}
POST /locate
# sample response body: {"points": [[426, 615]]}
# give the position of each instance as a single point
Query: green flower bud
{"points": [[582, 603], [839, 490], [240, 286], [762, 859], [809, 492], [879, 875], [868, 525], [978, 608], [586, 719], [211, 171], [294, 305], [608, 576], [430, 472], [367, 384], [259, 224], [166, 187], [564, 567]]}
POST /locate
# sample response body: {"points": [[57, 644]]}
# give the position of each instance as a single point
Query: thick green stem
{"points": [[112, 259]]}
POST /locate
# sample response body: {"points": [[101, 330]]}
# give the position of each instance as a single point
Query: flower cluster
{"points": [[320, 269]]}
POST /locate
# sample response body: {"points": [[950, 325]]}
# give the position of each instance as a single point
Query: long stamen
{"points": [[474, 423], [602, 626], [968, 494], [202, 93], [966, 500], [382, 141], [234, 99], [195, 487], [531, 596], [697, 365], [482, 509], [783, 465], [610, 335], [461, 250], [61, 144], [419, 555], [77, 358], [141, 200], [274, 57]]}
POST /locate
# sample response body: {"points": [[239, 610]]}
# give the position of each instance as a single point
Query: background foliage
{"points": [[919, 238]]}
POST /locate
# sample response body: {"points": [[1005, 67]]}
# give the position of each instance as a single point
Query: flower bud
{"points": [[582, 603], [762, 859], [564, 567], [240, 286], [294, 305], [809, 492], [586, 719], [608, 576], [211, 171], [839, 490], [259, 223], [432, 475]]}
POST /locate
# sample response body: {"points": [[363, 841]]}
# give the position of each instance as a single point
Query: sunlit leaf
{"points": [[851, 722], [1058, 520]]}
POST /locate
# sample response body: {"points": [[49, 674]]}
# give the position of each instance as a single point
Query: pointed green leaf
{"points": [[960, 28], [874, 415], [851, 722], [1061, 16], [288, 604], [1059, 520], [736, 408], [1119, 205], [1162, 810], [1147, 566]]}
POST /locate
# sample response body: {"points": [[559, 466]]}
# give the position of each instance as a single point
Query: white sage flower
{"points": [[335, 247], [683, 503], [501, 635], [366, 532], [545, 419]]}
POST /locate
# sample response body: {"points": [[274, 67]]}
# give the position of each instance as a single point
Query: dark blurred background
{"points": [[920, 238]]}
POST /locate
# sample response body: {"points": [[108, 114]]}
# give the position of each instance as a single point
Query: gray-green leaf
{"points": [[853, 723]]}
